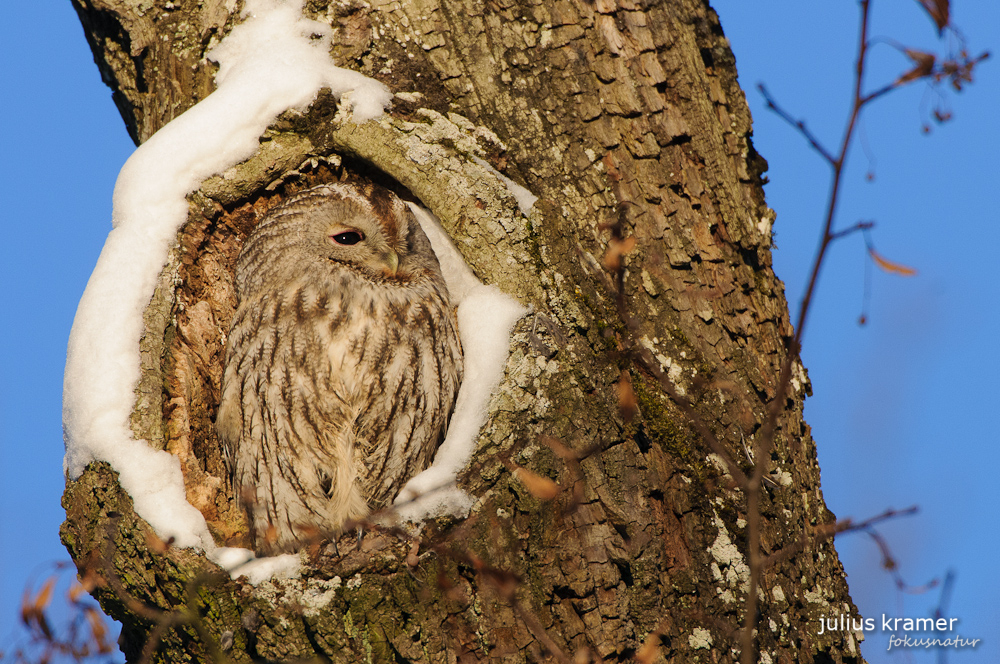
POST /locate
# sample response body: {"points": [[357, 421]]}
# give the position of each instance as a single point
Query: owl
{"points": [[342, 363]]}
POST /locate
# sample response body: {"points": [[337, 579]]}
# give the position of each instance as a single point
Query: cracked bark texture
{"points": [[606, 109]]}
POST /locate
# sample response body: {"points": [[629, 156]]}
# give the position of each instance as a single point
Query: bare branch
{"points": [[800, 125]]}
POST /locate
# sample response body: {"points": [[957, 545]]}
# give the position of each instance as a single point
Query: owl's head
{"points": [[366, 234], [361, 227]]}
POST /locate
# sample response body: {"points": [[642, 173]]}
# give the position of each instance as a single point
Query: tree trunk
{"points": [[608, 111]]}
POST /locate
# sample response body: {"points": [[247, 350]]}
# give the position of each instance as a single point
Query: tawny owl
{"points": [[342, 364]]}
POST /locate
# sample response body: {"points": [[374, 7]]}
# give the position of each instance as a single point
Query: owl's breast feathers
{"points": [[338, 387]]}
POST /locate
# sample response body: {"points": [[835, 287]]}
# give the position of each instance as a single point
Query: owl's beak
{"points": [[391, 262]]}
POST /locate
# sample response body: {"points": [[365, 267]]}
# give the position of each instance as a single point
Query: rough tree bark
{"points": [[605, 110]]}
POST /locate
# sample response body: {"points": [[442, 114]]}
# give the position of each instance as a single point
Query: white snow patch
{"points": [[525, 199], [485, 318], [273, 61], [243, 562], [229, 558], [280, 60]]}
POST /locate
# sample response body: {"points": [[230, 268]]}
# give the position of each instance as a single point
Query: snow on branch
{"points": [[486, 316]]}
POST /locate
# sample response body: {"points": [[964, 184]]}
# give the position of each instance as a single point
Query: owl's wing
{"points": [[229, 419]]}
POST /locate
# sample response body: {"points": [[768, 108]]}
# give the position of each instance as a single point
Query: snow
{"points": [[485, 318], [242, 562], [277, 60], [274, 61]]}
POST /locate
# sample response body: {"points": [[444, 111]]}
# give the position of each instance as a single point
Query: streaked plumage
{"points": [[342, 363]]}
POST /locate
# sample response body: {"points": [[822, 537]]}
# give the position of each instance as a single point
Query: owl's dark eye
{"points": [[348, 238]]}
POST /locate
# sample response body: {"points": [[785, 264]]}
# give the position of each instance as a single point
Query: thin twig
{"points": [[860, 226], [828, 530], [800, 125]]}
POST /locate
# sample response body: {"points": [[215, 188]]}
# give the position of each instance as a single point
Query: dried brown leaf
{"points": [[91, 579], [33, 609], [27, 613], [889, 266], [412, 556], [98, 629], [942, 116], [540, 487], [923, 65], [647, 653], [75, 591], [157, 545], [628, 405], [939, 11], [616, 249], [45, 594], [560, 450]]}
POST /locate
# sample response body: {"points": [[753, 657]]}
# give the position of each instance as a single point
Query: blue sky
{"points": [[902, 408]]}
